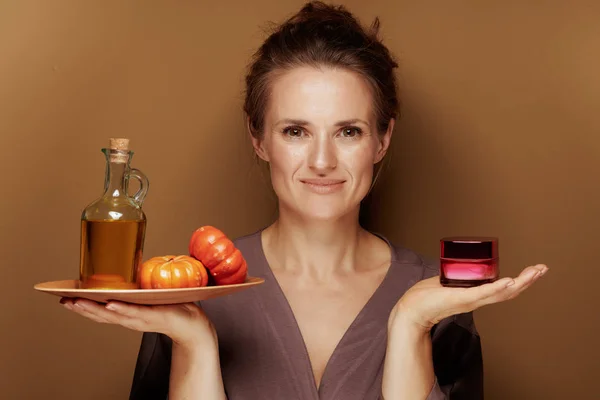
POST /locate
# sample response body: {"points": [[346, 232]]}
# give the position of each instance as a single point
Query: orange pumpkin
{"points": [[167, 272], [216, 251]]}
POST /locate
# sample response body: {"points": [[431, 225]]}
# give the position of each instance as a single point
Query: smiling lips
{"points": [[323, 186]]}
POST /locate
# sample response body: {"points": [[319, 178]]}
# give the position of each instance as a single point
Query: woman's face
{"points": [[321, 142]]}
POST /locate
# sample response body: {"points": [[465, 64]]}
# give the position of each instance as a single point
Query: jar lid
{"points": [[469, 247]]}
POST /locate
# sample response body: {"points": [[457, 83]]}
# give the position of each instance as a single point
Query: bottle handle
{"points": [[140, 195]]}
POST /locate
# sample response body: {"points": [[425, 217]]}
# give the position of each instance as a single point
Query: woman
{"points": [[343, 314]]}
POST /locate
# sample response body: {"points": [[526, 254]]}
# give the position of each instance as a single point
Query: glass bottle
{"points": [[113, 227]]}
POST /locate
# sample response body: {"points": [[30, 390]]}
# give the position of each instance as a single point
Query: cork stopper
{"points": [[121, 145]]}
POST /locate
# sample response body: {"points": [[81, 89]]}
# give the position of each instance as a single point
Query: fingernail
{"points": [[76, 304], [540, 273], [67, 306], [110, 307], [510, 283]]}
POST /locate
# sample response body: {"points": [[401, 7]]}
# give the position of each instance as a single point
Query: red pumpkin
{"points": [[217, 252], [167, 272]]}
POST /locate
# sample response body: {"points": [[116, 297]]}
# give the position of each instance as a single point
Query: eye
{"points": [[293, 131], [351, 131]]}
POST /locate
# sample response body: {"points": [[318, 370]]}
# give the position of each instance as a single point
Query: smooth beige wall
{"points": [[500, 136]]}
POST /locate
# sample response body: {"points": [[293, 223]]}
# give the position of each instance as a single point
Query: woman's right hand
{"points": [[186, 324]]}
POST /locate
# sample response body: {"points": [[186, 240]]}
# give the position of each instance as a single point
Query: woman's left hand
{"points": [[428, 302]]}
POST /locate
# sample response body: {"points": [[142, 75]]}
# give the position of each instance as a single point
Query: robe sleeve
{"points": [[457, 360], [152, 369]]}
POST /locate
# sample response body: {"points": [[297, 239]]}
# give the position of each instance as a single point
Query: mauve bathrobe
{"points": [[263, 355]]}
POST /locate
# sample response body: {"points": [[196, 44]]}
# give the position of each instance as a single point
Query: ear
{"points": [[257, 143], [384, 141]]}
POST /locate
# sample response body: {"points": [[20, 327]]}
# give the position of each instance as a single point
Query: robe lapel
{"points": [[355, 368], [285, 332]]}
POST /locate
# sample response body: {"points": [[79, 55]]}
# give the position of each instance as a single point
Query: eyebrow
{"points": [[352, 122], [339, 123]]}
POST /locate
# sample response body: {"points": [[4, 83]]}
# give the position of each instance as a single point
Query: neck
{"points": [[316, 249], [115, 179]]}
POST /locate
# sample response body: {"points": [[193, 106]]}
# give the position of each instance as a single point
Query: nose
{"points": [[323, 155]]}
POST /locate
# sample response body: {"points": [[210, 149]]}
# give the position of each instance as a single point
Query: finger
{"points": [[127, 309], [133, 316], [71, 305], [98, 310], [525, 279], [100, 313], [157, 318], [490, 292], [520, 288], [477, 294]]}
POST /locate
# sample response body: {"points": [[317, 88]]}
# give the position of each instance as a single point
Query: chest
{"points": [[325, 312]]}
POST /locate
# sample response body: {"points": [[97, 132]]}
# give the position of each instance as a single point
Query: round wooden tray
{"points": [[70, 288]]}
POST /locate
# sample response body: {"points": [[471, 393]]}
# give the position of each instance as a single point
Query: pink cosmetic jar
{"points": [[468, 261]]}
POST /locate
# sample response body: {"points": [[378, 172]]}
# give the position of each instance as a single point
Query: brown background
{"points": [[500, 136]]}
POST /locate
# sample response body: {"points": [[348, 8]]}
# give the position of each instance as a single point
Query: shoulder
{"points": [[250, 245], [403, 257], [248, 241]]}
